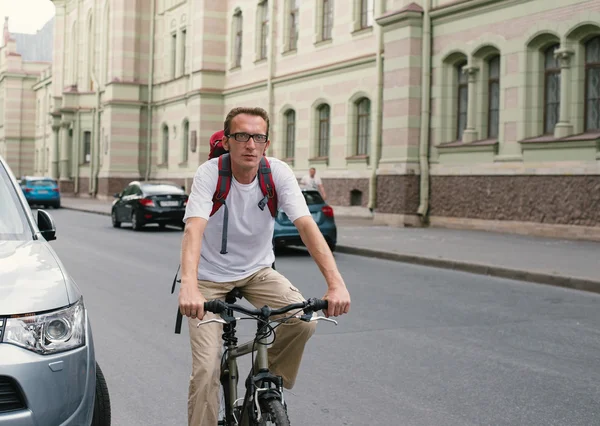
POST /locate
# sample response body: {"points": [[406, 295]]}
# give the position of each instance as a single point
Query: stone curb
{"points": [[82, 209], [478, 268], [474, 268]]}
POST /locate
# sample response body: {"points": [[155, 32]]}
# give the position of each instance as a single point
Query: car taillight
{"points": [[55, 189], [28, 189], [327, 211], [147, 202], [185, 202]]}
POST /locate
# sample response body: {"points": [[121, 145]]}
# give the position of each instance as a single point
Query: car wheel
{"points": [[102, 412], [57, 205], [115, 222], [136, 223]]}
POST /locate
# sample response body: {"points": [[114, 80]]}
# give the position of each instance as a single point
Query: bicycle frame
{"points": [[230, 372]]}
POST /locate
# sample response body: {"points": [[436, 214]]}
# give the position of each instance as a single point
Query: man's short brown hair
{"points": [[259, 112]]}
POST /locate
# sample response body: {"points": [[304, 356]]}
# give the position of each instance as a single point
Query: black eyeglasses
{"points": [[245, 137]]}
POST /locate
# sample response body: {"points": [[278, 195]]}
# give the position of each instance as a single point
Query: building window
{"points": [[327, 20], [290, 133], [87, 147], [185, 146], [293, 24], [173, 55], [363, 131], [551, 89], [183, 50], [264, 29], [324, 126], [592, 84], [164, 155], [238, 29], [493, 97], [462, 81], [366, 13]]}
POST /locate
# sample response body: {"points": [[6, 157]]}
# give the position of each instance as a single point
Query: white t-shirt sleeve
{"points": [[318, 181], [289, 195], [203, 188]]}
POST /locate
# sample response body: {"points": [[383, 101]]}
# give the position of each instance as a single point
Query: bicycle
{"points": [[263, 400]]}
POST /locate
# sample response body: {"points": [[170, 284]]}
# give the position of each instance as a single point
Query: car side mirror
{"points": [[46, 225]]}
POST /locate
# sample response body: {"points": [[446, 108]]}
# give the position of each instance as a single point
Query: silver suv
{"points": [[48, 371]]}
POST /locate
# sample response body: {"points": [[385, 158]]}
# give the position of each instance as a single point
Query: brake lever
{"points": [[219, 320], [324, 319], [310, 318]]}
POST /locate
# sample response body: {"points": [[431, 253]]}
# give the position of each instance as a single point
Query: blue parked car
{"points": [[286, 234], [41, 191]]}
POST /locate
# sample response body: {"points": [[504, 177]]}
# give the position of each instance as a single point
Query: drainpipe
{"points": [[270, 58], [150, 93], [376, 144], [75, 165], [190, 36], [425, 114], [95, 154]]}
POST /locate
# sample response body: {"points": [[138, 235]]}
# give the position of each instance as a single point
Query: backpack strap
{"points": [[223, 187], [223, 184], [267, 186]]}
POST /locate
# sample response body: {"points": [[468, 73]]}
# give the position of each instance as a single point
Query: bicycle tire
{"points": [[273, 413]]}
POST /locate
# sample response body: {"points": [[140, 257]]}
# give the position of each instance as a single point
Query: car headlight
{"points": [[49, 333]]}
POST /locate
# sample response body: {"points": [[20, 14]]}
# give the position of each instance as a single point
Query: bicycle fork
{"points": [[261, 384]]}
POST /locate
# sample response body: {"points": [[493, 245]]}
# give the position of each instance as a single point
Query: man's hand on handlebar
{"points": [[191, 301]]}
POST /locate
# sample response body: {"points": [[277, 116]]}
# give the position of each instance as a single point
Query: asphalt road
{"points": [[421, 346]]}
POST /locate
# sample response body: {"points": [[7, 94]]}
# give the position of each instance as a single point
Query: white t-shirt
{"points": [[311, 183], [249, 229]]}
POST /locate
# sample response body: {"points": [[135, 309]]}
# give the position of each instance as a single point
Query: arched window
{"points": [[263, 22], [290, 133], [293, 24], [592, 84], [327, 19], [363, 131], [551, 89], [462, 84], [238, 32], [493, 97], [323, 113]]}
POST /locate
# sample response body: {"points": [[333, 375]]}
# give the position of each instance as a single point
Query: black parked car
{"points": [[142, 203]]}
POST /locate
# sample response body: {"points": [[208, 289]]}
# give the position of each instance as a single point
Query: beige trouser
{"points": [[265, 287]]}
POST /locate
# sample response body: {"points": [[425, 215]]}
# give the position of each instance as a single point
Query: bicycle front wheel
{"points": [[273, 413]]}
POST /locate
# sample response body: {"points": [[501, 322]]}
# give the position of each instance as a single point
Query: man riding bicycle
{"points": [[232, 248]]}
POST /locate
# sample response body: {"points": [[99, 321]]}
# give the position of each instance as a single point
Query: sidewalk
{"points": [[565, 263]]}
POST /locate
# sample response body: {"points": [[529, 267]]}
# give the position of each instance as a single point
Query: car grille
{"points": [[11, 398]]}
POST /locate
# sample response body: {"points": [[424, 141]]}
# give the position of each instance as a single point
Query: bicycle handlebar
{"points": [[309, 306]]}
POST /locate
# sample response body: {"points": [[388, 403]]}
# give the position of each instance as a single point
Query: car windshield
{"points": [[162, 189], [42, 182], [13, 222], [313, 197]]}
